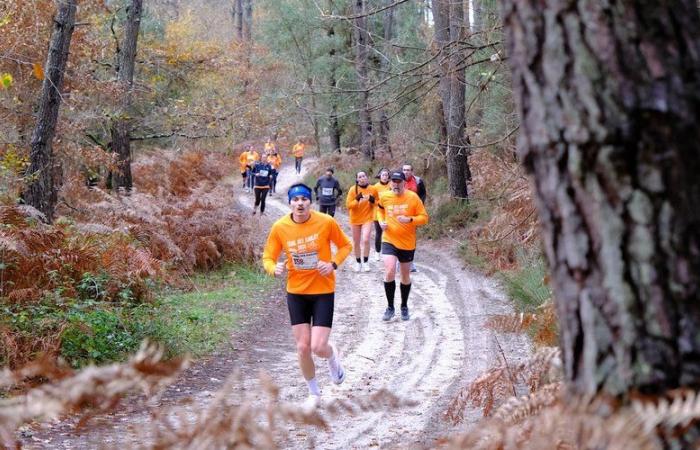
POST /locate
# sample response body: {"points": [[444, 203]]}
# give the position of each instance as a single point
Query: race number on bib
{"points": [[327, 192], [305, 261], [263, 173]]}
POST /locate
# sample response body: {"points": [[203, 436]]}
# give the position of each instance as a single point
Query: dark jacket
{"points": [[262, 172], [418, 186], [327, 190]]}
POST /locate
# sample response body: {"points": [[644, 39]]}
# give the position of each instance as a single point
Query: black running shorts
{"points": [[315, 309], [404, 256]]}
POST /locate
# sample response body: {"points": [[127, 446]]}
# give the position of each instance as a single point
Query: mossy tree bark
{"points": [[609, 97]]}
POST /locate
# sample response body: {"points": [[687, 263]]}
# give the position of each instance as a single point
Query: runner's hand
{"points": [[382, 225], [324, 268], [403, 219], [280, 268]]}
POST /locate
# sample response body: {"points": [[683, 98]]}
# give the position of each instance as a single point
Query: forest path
{"points": [[427, 359]]}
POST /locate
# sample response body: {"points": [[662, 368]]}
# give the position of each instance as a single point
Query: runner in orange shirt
{"points": [[360, 203], [252, 156], [243, 166], [305, 236], [275, 161], [380, 186], [298, 152], [400, 212]]}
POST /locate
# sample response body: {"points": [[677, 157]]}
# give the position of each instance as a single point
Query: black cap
{"points": [[397, 175]]}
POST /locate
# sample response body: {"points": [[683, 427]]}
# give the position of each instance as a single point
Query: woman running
{"points": [[360, 203], [380, 186]]}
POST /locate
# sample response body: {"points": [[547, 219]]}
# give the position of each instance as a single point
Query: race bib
{"points": [[327, 192], [262, 173], [305, 261]]}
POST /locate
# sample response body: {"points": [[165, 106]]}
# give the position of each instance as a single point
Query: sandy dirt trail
{"points": [[426, 359]]}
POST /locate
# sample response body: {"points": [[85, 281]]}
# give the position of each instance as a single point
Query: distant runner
{"points": [[327, 191], [262, 177], [360, 203], [298, 152], [275, 161], [399, 212], [305, 236]]}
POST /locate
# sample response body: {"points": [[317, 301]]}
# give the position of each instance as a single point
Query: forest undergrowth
{"points": [[84, 287]]}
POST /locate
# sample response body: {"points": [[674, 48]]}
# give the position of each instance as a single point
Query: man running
{"points": [[275, 161], [243, 166], [327, 191], [262, 177], [298, 152], [415, 184], [253, 156], [380, 186], [305, 236], [399, 212], [360, 203]]}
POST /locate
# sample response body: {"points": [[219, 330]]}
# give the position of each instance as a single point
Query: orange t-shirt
{"points": [[305, 244], [379, 187], [361, 211], [243, 161], [298, 150], [275, 161], [401, 235]]}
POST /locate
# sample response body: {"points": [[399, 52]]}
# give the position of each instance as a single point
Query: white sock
{"points": [[313, 387]]}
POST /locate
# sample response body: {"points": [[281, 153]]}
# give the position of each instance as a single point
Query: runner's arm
{"points": [[272, 251], [342, 241], [351, 201], [421, 217], [380, 215]]}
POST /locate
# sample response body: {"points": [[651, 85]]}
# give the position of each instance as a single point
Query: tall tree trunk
{"points": [[361, 62], [477, 16], [247, 19], [333, 126], [450, 29], [609, 103], [41, 191], [238, 18], [388, 22], [121, 125]]}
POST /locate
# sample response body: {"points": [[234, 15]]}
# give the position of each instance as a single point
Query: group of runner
{"points": [[393, 206], [260, 172]]}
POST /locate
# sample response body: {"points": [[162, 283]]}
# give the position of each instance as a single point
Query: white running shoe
{"points": [[358, 267], [377, 257], [335, 367], [366, 268], [311, 403]]}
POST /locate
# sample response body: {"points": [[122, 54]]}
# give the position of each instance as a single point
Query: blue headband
{"points": [[299, 189]]}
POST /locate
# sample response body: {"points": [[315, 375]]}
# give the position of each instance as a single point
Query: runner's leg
{"points": [[356, 238], [366, 235], [377, 239], [302, 337], [263, 196], [319, 342]]}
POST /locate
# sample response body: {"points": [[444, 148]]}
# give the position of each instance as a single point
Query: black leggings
{"points": [[297, 163], [377, 237], [260, 196], [273, 181], [327, 209]]}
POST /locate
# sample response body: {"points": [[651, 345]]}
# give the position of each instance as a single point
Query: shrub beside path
{"points": [[428, 359]]}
